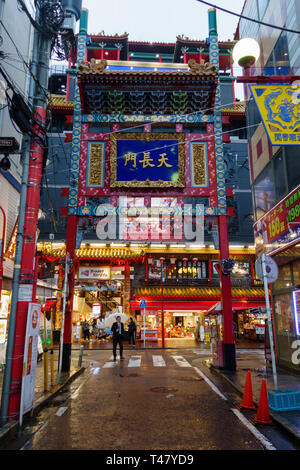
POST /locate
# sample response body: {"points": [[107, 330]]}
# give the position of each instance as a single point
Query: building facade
{"points": [[275, 169], [16, 42], [153, 127]]}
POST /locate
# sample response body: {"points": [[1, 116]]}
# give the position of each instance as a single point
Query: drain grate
{"points": [[162, 390], [130, 375], [191, 379]]}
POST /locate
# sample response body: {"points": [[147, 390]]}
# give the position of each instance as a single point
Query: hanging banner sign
{"points": [[279, 107], [102, 273], [30, 358], [281, 225], [3, 328]]}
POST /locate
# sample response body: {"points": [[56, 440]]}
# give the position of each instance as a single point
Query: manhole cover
{"points": [[162, 389]]}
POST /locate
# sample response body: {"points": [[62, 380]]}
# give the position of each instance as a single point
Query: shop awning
{"points": [[213, 293], [243, 305], [236, 305], [214, 309]]}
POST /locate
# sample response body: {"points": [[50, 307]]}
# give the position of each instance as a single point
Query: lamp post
{"points": [[245, 53], [2, 250]]}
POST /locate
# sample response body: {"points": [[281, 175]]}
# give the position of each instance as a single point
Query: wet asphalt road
{"points": [[165, 402]]}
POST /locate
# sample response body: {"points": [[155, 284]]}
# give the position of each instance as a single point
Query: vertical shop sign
{"points": [[296, 302], [3, 327], [30, 359]]}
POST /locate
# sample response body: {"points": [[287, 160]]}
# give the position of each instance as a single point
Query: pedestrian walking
{"points": [[94, 328], [86, 330], [132, 331], [102, 333], [117, 331]]}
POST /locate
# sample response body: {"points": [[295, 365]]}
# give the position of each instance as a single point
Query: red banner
{"points": [[281, 224]]}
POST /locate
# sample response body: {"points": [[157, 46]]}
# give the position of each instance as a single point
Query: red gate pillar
{"points": [[126, 297], [70, 248], [27, 280], [228, 333]]}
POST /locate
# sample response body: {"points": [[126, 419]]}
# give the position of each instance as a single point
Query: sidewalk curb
{"points": [[11, 428], [280, 420]]}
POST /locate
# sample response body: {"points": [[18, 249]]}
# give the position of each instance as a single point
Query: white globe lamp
{"points": [[246, 52]]}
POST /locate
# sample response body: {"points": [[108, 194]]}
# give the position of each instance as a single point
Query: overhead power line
{"points": [[248, 19]]}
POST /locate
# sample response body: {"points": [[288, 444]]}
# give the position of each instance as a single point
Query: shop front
{"points": [[178, 324], [249, 319], [286, 304], [250, 324], [277, 233], [188, 323]]}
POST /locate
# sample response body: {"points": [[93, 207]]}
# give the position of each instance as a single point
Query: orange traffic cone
{"points": [[247, 402], [262, 416]]}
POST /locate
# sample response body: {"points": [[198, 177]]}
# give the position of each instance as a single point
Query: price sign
{"points": [[281, 224]]}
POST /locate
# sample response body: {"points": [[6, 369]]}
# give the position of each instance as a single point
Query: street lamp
{"points": [[246, 52]]}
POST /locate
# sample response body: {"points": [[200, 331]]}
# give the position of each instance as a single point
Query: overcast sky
{"points": [[160, 20]]}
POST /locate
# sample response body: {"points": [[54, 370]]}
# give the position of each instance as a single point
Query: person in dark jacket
{"points": [[131, 331], [117, 331], [86, 330]]}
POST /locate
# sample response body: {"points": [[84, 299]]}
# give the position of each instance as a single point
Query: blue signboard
{"points": [[147, 162]]}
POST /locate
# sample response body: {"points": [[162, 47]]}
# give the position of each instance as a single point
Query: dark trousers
{"points": [[116, 340], [132, 336], [86, 334]]}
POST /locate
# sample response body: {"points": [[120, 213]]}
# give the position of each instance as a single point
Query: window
{"points": [[263, 190], [279, 60], [284, 311], [284, 279], [279, 175], [249, 28], [296, 273], [191, 270], [253, 118], [97, 128], [292, 157], [241, 269], [262, 6]]}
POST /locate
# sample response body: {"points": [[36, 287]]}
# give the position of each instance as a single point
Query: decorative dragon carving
{"points": [[93, 66], [205, 68]]}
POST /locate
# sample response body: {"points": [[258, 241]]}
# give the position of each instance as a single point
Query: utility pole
{"points": [[60, 15], [26, 234]]}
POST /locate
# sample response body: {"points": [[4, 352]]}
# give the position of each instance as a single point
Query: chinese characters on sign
{"points": [[287, 138], [148, 160]]}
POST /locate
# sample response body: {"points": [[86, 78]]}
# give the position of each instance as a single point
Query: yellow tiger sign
{"points": [[279, 107]]}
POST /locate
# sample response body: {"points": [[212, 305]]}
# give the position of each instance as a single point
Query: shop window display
{"points": [[292, 166], [284, 279], [252, 326], [296, 273], [279, 175], [264, 195], [191, 270], [285, 325], [181, 325]]}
